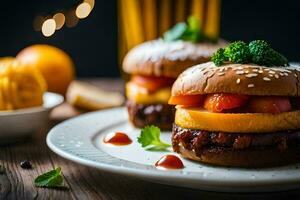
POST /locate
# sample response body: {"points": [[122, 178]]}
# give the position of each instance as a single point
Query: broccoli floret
{"points": [[259, 50], [218, 57], [263, 54], [238, 52]]}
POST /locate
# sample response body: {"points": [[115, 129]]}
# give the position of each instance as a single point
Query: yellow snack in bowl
{"points": [[21, 86]]}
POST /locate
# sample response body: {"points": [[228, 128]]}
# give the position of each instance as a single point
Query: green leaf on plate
{"points": [[52, 179], [150, 139]]}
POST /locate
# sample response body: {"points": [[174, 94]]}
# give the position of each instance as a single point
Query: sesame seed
{"points": [[247, 71], [281, 74], [251, 75], [286, 74], [238, 81], [271, 72], [260, 71], [255, 70], [210, 75], [276, 76], [266, 79], [239, 72], [267, 69], [295, 75], [225, 68], [221, 69], [240, 68], [250, 85], [271, 75], [221, 73]]}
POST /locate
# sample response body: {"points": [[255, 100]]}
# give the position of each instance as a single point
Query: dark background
{"points": [[93, 42]]}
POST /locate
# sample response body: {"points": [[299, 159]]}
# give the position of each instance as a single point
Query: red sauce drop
{"points": [[117, 138], [169, 162]]}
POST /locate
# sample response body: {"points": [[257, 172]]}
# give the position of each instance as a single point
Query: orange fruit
{"points": [[55, 65]]}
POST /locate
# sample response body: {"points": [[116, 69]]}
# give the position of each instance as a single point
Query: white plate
{"points": [[80, 140], [24, 122]]}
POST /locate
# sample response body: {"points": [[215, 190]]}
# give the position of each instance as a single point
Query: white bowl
{"points": [[25, 122]]}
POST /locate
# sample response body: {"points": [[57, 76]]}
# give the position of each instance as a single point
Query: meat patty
{"points": [[199, 140], [161, 115]]}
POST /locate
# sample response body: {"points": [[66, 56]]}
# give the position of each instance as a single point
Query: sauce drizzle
{"points": [[169, 162], [117, 138]]}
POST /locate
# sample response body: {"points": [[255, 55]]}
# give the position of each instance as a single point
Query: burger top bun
{"points": [[247, 79], [169, 59]]}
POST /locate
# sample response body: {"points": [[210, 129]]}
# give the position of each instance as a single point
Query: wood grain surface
{"points": [[87, 183]]}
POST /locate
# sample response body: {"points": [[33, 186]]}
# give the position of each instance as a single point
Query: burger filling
{"points": [[198, 140], [236, 122], [161, 115], [234, 103], [149, 90]]}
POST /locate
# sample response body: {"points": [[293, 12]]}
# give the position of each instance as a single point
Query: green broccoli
{"points": [[218, 57], [263, 54], [238, 52], [258, 52]]}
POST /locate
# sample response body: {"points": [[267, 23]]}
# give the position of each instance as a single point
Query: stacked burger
{"points": [[154, 66], [242, 109]]}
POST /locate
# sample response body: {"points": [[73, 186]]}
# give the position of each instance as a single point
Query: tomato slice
{"points": [[187, 100], [269, 105], [223, 101], [151, 82]]}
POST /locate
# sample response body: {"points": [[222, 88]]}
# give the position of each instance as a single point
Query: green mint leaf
{"points": [[150, 139], [190, 31], [176, 32], [52, 178], [193, 23]]}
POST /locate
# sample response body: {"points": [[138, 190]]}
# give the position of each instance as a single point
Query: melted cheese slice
{"points": [[196, 118], [142, 95]]}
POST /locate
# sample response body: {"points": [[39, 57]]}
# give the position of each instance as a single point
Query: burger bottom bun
{"points": [[248, 158], [160, 115]]}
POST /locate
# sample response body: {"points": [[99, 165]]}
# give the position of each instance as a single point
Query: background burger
{"points": [[241, 110], [154, 66]]}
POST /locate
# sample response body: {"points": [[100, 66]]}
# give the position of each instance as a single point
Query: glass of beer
{"points": [[142, 20]]}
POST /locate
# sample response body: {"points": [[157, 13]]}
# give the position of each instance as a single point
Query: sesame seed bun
{"points": [[246, 79], [169, 59]]}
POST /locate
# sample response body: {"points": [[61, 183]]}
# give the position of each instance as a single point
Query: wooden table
{"points": [[87, 183]]}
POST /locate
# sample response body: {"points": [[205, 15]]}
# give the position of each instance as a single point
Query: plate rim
{"points": [[157, 174], [59, 100]]}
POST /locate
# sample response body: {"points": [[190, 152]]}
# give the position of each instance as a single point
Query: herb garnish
{"points": [[51, 179], [257, 51], [150, 139], [188, 31]]}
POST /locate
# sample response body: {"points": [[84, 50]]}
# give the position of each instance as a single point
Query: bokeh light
{"points": [[48, 27], [59, 20], [49, 24], [91, 3], [83, 10], [71, 19]]}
